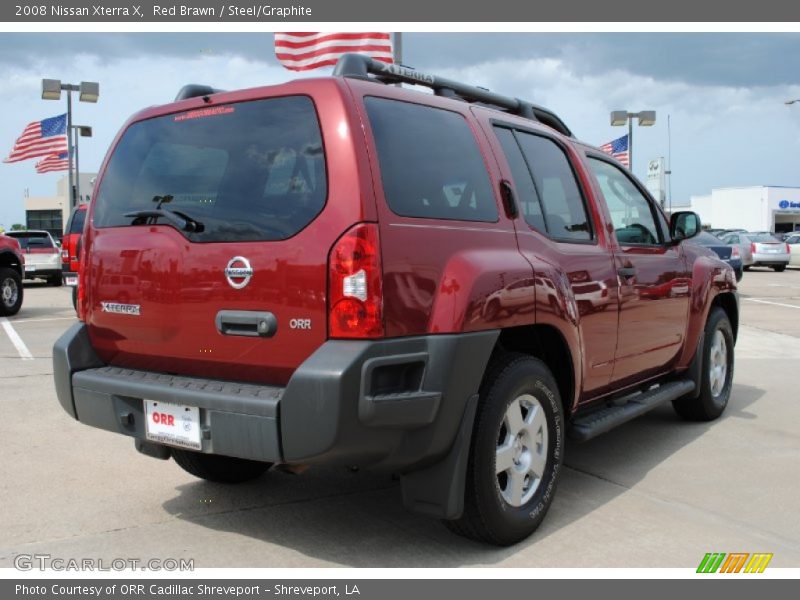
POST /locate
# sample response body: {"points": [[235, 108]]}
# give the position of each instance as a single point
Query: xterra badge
{"points": [[121, 309], [238, 272]]}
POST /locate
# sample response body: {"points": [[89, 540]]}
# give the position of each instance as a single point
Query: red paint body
{"points": [[438, 276], [70, 243]]}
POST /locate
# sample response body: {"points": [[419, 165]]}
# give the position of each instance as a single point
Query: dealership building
{"points": [[754, 208], [52, 212]]}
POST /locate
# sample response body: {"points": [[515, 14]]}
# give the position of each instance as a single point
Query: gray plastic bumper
{"points": [[397, 403]]}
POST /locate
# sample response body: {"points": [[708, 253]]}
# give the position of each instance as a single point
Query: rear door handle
{"points": [[247, 323], [627, 272]]}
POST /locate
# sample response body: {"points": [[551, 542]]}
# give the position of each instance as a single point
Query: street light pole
{"points": [[646, 118], [89, 92]]}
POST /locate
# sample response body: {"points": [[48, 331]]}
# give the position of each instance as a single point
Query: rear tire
{"points": [[10, 292], [519, 425], [746, 267], [75, 298], [717, 372], [55, 280], [221, 469], [779, 268]]}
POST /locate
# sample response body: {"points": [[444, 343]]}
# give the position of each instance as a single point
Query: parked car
{"points": [[70, 249], [337, 185], [729, 253], [793, 241], [760, 250], [42, 255], [12, 268]]}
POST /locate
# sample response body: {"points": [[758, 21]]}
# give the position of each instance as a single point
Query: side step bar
{"points": [[599, 421]]}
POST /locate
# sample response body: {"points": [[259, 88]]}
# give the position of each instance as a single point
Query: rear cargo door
{"points": [[209, 240]]}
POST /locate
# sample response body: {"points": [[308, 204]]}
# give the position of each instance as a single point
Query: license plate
{"points": [[30, 268], [172, 424], [71, 280], [773, 250]]}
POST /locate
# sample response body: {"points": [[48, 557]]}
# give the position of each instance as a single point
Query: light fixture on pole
{"points": [[89, 91], [647, 118]]}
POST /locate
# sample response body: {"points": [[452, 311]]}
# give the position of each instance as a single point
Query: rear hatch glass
{"points": [[252, 175], [31, 240], [252, 171]]}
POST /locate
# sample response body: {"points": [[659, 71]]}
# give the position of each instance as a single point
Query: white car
{"points": [[42, 255], [794, 249]]}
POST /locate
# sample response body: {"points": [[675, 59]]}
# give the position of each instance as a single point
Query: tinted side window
{"points": [[564, 210], [430, 163], [76, 221], [630, 210], [527, 197]]}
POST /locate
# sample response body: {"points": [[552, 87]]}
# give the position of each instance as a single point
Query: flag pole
{"points": [[71, 193], [397, 48]]}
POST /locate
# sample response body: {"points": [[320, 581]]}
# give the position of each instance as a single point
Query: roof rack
{"points": [[358, 66], [193, 90]]}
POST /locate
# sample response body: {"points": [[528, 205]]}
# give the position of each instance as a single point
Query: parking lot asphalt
{"points": [[656, 492]]}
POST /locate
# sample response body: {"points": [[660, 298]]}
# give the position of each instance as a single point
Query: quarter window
{"points": [[430, 163]]}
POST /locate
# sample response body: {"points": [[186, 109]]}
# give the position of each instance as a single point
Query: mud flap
{"points": [[438, 490]]}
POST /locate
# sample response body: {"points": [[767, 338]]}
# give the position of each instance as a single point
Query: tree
{"points": [[18, 227]]}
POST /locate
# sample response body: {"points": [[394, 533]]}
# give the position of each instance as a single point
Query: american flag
{"points": [[40, 138], [618, 148], [306, 51], [54, 162]]}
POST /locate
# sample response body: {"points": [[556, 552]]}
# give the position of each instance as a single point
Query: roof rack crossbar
{"points": [[359, 66]]}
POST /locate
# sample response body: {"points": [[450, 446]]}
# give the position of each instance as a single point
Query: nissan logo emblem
{"points": [[238, 272]]}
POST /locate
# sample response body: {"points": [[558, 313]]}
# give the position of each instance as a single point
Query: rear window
{"points": [[76, 221], [764, 238], [252, 171], [705, 238], [430, 163], [31, 239]]}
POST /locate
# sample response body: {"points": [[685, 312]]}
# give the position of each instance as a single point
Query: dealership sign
{"points": [[656, 179], [785, 204]]}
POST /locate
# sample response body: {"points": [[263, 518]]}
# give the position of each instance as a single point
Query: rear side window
{"points": [[76, 221], [527, 196], [562, 203], [252, 171], [32, 239], [430, 163]]}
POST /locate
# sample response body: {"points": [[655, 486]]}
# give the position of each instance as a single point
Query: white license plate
{"points": [[30, 268], [773, 250], [71, 280], [172, 424]]}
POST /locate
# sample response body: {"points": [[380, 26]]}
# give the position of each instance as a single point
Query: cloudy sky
{"points": [[724, 93]]}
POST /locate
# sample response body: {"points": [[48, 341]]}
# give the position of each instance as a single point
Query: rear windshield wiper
{"points": [[178, 219]]}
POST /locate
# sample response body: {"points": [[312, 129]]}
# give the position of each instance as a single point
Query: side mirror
{"points": [[684, 225]]}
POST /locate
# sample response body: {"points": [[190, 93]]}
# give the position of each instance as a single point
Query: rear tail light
{"points": [[355, 294], [787, 248], [64, 255], [735, 252], [752, 246], [80, 304]]}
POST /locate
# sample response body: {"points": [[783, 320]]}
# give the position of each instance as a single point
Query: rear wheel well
{"points": [[727, 302], [8, 259], [548, 345]]}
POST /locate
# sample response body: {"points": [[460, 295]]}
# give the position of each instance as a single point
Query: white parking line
{"points": [[44, 319], [773, 303], [24, 353]]}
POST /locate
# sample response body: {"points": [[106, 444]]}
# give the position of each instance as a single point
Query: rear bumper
{"points": [[764, 258], [396, 403]]}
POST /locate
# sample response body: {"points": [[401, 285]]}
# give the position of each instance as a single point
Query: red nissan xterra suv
{"points": [[12, 270], [339, 271], [70, 249]]}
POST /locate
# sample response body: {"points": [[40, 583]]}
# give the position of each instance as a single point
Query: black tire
{"points": [[709, 406], [11, 292], [488, 516], [221, 469], [55, 280], [779, 268], [738, 274], [746, 267], [75, 298]]}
